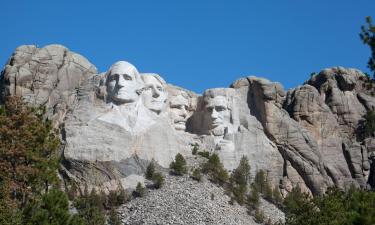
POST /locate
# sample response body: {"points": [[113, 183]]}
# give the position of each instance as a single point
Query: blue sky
{"points": [[197, 44]]}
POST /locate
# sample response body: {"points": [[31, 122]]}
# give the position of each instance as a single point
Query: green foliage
{"points": [[298, 208], [178, 166], [259, 216], [52, 209], [158, 180], [204, 154], [369, 123], [9, 213], [336, 207], [368, 37], [268, 192], [139, 190], [260, 181], [277, 198], [91, 208], [116, 198], [239, 180], [196, 175], [113, 218], [150, 170], [215, 169], [253, 199], [28, 150], [195, 149]]}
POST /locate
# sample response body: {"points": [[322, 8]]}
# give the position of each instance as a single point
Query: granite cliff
{"points": [[113, 123]]}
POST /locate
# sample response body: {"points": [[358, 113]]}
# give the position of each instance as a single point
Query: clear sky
{"points": [[197, 44]]}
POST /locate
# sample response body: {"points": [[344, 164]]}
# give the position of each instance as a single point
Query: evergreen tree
{"points": [[178, 166], [277, 198], [139, 190], [369, 123], [158, 180], [150, 170], [91, 208], [215, 169], [113, 218], [52, 209], [368, 37], [260, 181], [197, 174], [28, 150], [253, 200], [239, 180]]}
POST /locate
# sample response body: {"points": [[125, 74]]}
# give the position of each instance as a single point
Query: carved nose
{"points": [[214, 114], [183, 112], [155, 93]]}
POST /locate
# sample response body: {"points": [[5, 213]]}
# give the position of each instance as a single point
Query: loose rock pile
{"points": [[184, 201]]}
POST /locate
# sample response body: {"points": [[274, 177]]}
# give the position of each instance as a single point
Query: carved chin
{"points": [[180, 126], [218, 131]]}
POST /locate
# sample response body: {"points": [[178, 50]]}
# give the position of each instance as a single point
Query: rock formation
{"points": [[114, 123]]}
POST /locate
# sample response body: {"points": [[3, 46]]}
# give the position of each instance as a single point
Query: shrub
{"points": [[260, 182], [113, 218], [204, 154], [158, 180], [195, 149], [259, 216], [150, 170], [253, 199], [179, 165], [91, 208], [239, 180], [215, 169], [139, 190], [197, 174]]}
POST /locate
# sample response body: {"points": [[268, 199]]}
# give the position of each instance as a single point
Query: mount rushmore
{"points": [[113, 124]]}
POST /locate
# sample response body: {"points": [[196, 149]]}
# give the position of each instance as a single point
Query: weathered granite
{"points": [[114, 123]]}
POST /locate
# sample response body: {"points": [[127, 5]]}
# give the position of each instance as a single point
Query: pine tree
{"points": [[179, 165], [253, 200], [113, 218], [28, 150], [239, 180], [260, 181], [139, 190], [215, 169], [52, 209], [197, 174], [368, 37], [150, 170], [158, 180], [91, 208]]}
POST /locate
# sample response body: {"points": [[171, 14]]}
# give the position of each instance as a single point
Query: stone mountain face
{"points": [[114, 123]]}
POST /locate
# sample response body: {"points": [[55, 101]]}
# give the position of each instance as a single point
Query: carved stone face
{"points": [[154, 95], [178, 108], [219, 114], [123, 82]]}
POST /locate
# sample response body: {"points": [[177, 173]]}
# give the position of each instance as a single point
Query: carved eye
{"points": [[127, 77], [220, 108], [160, 89], [209, 109], [113, 77]]}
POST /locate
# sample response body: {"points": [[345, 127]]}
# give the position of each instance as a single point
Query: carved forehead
{"points": [[217, 101], [152, 78], [178, 100], [122, 67], [218, 97]]}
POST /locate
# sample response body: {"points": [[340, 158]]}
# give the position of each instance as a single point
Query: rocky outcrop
{"points": [[114, 123], [50, 76]]}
